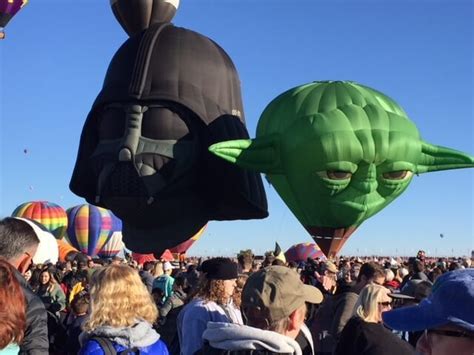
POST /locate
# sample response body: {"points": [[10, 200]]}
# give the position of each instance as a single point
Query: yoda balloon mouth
{"points": [[337, 153]]}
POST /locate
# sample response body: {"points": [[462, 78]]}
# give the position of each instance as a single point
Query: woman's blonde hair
{"points": [[158, 269], [367, 304], [119, 298]]}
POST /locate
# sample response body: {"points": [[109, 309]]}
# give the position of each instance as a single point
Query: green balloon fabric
{"points": [[337, 153]]}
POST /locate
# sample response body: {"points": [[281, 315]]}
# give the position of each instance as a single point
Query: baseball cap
{"points": [[167, 266], [331, 267], [450, 301], [278, 291]]}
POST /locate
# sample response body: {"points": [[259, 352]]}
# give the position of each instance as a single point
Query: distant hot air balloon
{"points": [[113, 246], [183, 247], [303, 251], [142, 258], [8, 9], [89, 228], [50, 215], [137, 15], [47, 251], [167, 256]]}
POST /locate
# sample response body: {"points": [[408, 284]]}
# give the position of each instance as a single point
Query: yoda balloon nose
{"points": [[337, 153]]}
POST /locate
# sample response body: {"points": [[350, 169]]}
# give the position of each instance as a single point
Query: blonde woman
{"points": [[212, 303], [121, 314], [364, 334]]}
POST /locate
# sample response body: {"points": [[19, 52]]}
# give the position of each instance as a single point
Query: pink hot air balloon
{"points": [[303, 251]]}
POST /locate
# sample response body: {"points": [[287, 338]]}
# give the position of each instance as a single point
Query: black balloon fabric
{"points": [[169, 93]]}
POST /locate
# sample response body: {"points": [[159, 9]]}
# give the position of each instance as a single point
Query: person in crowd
{"points": [[337, 309], [74, 322], [245, 260], [78, 283], [434, 274], [416, 269], [401, 273], [165, 282], [51, 293], [364, 333], [18, 245], [117, 260], [169, 312], [146, 276], [157, 270], [192, 276], [390, 282], [213, 302], [446, 316], [121, 314], [274, 308], [27, 275], [12, 310], [326, 282]]}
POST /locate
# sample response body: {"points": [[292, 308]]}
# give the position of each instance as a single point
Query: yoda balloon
{"points": [[337, 153]]}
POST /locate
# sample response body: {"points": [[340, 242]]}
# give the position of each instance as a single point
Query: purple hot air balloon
{"points": [[303, 251], [8, 9]]}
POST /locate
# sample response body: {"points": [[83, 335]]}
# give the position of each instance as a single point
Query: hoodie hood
{"points": [[229, 336], [139, 335]]}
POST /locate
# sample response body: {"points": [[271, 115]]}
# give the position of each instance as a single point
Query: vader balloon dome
{"points": [[168, 94]]}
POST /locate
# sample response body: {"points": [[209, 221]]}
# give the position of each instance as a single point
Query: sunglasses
{"points": [[385, 304], [449, 333]]}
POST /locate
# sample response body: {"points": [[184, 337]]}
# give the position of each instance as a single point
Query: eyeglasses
{"points": [[449, 333], [385, 304]]}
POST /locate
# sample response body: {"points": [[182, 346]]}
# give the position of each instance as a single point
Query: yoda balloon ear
{"points": [[436, 158], [337, 153], [259, 154]]}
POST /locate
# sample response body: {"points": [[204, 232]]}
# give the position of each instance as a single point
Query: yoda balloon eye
{"points": [[398, 175], [338, 175]]}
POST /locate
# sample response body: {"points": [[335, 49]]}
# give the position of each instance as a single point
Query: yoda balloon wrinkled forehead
{"points": [[337, 153]]}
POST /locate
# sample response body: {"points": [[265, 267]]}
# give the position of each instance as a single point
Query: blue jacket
{"points": [[93, 348], [141, 335]]}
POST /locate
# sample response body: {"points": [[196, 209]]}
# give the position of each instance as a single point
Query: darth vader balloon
{"points": [[168, 94]]}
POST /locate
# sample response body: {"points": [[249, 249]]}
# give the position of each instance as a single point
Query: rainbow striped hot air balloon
{"points": [[89, 228], [50, 215], [184, 246], [113, 246], [303, 251]]}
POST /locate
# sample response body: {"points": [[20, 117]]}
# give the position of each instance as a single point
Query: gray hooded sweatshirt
{"points": [[139, 335], [230, 336]]}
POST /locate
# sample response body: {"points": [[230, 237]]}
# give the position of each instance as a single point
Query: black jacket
{"points": [[35, 341], [364, 338], [208, 350]]}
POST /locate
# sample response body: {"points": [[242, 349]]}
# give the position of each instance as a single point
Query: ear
{"points": [[436, 158], [259, 154], [297, 319], [24, 264]]}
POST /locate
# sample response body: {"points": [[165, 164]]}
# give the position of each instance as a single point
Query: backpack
{"points": [[108, 347]]}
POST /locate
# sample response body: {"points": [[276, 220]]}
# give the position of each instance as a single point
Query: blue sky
{"points": [[420, 53]]}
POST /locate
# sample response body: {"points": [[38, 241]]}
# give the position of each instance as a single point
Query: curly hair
{"points": [[12, 306], [237, 296], [119, 298], [212, 291]]}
